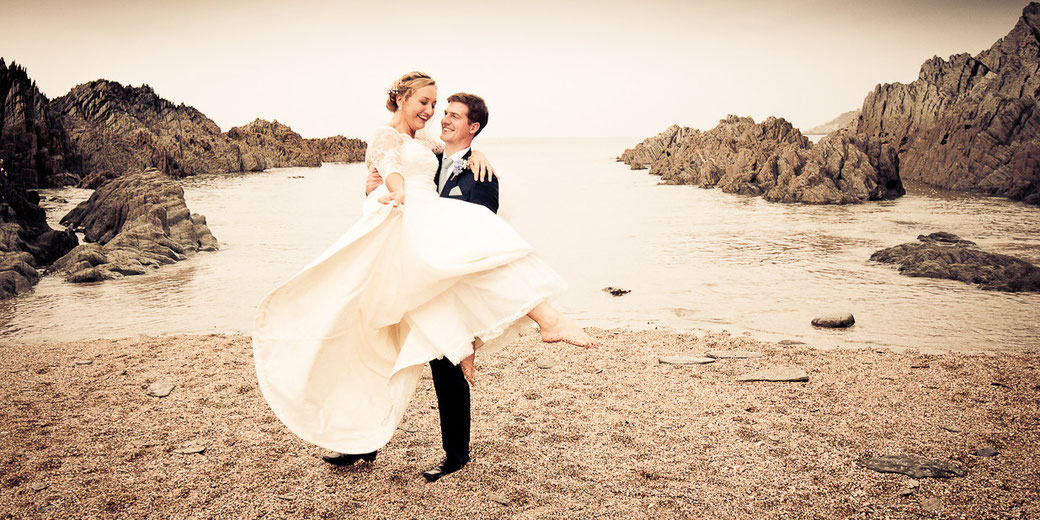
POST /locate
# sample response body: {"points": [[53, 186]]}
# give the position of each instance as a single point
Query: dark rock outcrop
{"points": [[969, 123], [33, 144], [133, 224], [842, 121], [26, 241], [771, 159], [102, 130], [945, 255]]}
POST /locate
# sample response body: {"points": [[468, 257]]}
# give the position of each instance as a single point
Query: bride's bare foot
{"points": [[568, 331], [467, 369]]}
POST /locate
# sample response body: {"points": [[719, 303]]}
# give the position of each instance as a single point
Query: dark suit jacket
{"points": [[484, 193]]}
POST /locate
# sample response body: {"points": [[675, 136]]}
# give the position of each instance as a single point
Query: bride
{"points": [[340, 347]]}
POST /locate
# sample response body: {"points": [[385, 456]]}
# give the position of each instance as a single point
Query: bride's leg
{"points": [[556, 327], [467, 366]]}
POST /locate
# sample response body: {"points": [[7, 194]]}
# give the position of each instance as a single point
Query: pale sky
{"points": [[547, 68]]}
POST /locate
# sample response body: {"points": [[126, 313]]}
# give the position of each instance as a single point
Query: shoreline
{"points": [[608, 432]]}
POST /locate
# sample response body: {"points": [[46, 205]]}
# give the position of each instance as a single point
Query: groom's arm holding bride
{"points": [[484, 176]]}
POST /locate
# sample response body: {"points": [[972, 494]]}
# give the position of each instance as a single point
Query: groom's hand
{"points": [[481, 167], [373, 181]]}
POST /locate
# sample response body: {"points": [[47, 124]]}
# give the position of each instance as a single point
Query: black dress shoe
{"points": [[346, 459], [446, 467]]}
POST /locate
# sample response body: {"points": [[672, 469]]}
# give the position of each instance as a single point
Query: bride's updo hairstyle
{"points": [[405, 86]]}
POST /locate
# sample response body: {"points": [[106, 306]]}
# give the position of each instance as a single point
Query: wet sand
{"points": [[605, 433]]}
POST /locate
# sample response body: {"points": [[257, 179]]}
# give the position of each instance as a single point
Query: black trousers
{"points": [[453, 403]]}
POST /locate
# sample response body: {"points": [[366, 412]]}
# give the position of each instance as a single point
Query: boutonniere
{"points": [[459, 166]]}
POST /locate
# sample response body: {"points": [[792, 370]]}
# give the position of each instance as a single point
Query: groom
{"points": [[464, 118]]}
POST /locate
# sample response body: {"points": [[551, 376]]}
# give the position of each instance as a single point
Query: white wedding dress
{"points": [[340, 347]]}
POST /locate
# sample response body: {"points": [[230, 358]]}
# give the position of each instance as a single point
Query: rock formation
{"points": [[338, 149], [968, 123], [102, 130], [120, 130], [133, 224], [34, 146], [771, 159], [26, 241], [945, 255], [842, 121]]}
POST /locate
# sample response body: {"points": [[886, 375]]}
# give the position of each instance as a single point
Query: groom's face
{"points": [[455, 125]]}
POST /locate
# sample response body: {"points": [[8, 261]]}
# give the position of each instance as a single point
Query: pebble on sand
{"points": [[83, 361], [192, 448], [987, 451], [733, 354], [546, 362], [498, 498], [160, 388], [776, 374], [834, 321], [39, 486], [684, 360], [916, 467]]}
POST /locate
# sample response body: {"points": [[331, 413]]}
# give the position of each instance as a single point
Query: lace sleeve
{"points": [[383, 152]]}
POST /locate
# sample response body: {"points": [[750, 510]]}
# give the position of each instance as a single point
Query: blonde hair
{"points": [[405, 86]]}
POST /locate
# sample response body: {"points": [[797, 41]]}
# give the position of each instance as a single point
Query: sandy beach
{"points": [[609, 432]]}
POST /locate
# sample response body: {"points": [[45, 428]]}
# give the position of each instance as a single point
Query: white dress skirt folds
{"points": [[340, 347]]}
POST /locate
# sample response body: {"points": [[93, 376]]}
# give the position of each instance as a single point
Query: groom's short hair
{"points": [[476, 108]]}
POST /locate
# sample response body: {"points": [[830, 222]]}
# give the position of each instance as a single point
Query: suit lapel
{"points": [[437, 174], [453, 180]]}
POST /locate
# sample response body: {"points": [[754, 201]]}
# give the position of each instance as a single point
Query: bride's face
{"points": [[418, 108]]}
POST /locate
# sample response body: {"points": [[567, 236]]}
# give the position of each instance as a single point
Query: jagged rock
{"points": [[652, 148], [842, 121], [915, 467], [26, 241], [771, 159], [338, 148], [944, 255], [135, 223], [102, 130], [33, 144], [968, 123]]}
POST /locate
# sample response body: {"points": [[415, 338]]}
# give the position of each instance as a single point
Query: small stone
{"points": [[834, 321], [906, 491], [160, 388], [684, 360], [790, 342], [546, 362], [953, 429], [498, 498], [407, 428], [614, 291], [732, 354], [39, 486], [916, 467], [285, 497], [919, 366], [598, 371], [83, 361], [193, 448], [776, 374], [931, 504], [987, 451]]}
